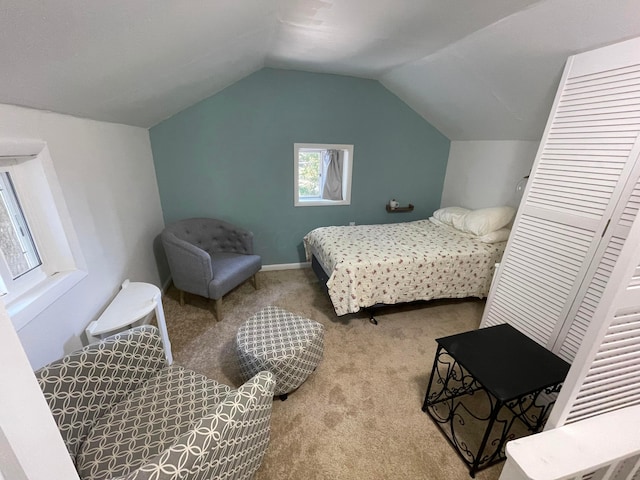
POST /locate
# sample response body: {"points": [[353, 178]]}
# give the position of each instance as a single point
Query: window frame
{"points": [[11, 287], [347, 174], [40, 196]]}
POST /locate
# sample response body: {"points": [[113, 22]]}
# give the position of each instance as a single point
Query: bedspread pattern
{"points": [[401, 262]]}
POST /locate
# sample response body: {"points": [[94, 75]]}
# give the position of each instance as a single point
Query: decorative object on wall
{"points": [[394, 206], [520, 186]]}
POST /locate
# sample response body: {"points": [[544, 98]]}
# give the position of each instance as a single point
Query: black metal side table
{"points": [[489, 386]]}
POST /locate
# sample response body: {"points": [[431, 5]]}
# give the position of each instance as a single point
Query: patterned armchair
{"points": [[124, 414], [209, 257]]}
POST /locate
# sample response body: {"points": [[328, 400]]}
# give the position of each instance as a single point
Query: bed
{"points": [[371, 265]]}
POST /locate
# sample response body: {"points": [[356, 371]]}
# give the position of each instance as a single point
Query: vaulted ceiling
{"points": [[475, 69]]}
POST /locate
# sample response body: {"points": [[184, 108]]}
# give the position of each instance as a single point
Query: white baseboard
{"points": [[265, 268], [285, 266]]}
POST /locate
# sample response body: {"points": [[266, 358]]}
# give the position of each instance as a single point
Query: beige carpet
{"points": [[359, 414]]}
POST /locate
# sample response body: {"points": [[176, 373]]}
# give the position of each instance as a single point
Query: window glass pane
{"points": [[309, 173], [16, 241]]}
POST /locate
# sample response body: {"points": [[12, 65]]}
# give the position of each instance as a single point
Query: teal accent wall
{"points": [[231, 156]]}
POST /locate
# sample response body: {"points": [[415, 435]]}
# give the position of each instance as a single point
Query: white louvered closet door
{"points": [[569, 335], [583, 171], [606, 373]]}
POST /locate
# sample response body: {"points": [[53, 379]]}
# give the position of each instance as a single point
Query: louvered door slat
{"points": [[589, 306], [614, 401], [599, 165], [557, 204], [579, 200], [628, 366], [522, 303], [631, 208], [600, 71], [597, 124], [544, 276], [635, 280], [613, 93], [603, 84], [625, 358], [599, 281], [595, 136], [562, 188], [601, 101], [551, 181], [590, 395], [593, 169], [536, 247], [604, 151], [604, 407], [595, 89], [524, 300], [629, 128]]}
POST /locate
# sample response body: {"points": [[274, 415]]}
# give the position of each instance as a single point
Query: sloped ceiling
{"points": [[477, 70]]}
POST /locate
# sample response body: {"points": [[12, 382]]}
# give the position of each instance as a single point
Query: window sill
{"points": [[321, 203], [30, 304]]}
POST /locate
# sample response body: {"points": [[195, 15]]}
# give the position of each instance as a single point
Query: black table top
{"points": [[505, 361]]}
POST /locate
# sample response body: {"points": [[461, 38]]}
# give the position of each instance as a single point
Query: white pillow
{"points": [[435, 221], [487, 220], [449, 215], [501, 235], [458, 222]]}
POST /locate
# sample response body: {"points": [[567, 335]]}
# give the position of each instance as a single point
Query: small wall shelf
{"points": [[408, 208]]}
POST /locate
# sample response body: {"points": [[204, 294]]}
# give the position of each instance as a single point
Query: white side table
{"points": [[133, 302]]}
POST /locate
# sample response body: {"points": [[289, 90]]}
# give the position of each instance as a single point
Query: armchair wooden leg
{"points": [[182, 298], [254, 281], [219, 309]]}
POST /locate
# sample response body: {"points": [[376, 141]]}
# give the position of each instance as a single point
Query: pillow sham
{"points": [[448, 215], [487, 220], [435, 221], [501, 235]]}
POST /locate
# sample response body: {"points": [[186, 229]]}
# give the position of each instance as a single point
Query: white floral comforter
{"points": [[401, 262]]}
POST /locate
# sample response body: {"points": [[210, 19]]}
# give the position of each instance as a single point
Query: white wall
{"points": [[485, 173], [30, 443], [108, 180]]}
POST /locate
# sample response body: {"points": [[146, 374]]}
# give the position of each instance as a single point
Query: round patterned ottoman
{"points": [[287, 345]]}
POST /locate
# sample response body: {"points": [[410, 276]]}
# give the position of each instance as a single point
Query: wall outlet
{"points": [[351, 224]]}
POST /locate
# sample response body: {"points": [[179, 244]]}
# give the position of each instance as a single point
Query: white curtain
{"points": [[332, 165]]}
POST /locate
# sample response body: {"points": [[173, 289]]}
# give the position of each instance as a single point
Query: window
{"points": [[39, 255], [21, 258], [322, 174]]}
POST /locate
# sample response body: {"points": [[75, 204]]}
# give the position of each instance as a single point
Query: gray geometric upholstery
{"points": [[287, 345], [124, 414], [84, 385], [209, 257]]}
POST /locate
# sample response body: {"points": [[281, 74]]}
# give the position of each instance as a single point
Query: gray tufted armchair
{"points": [[209, 257]]}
